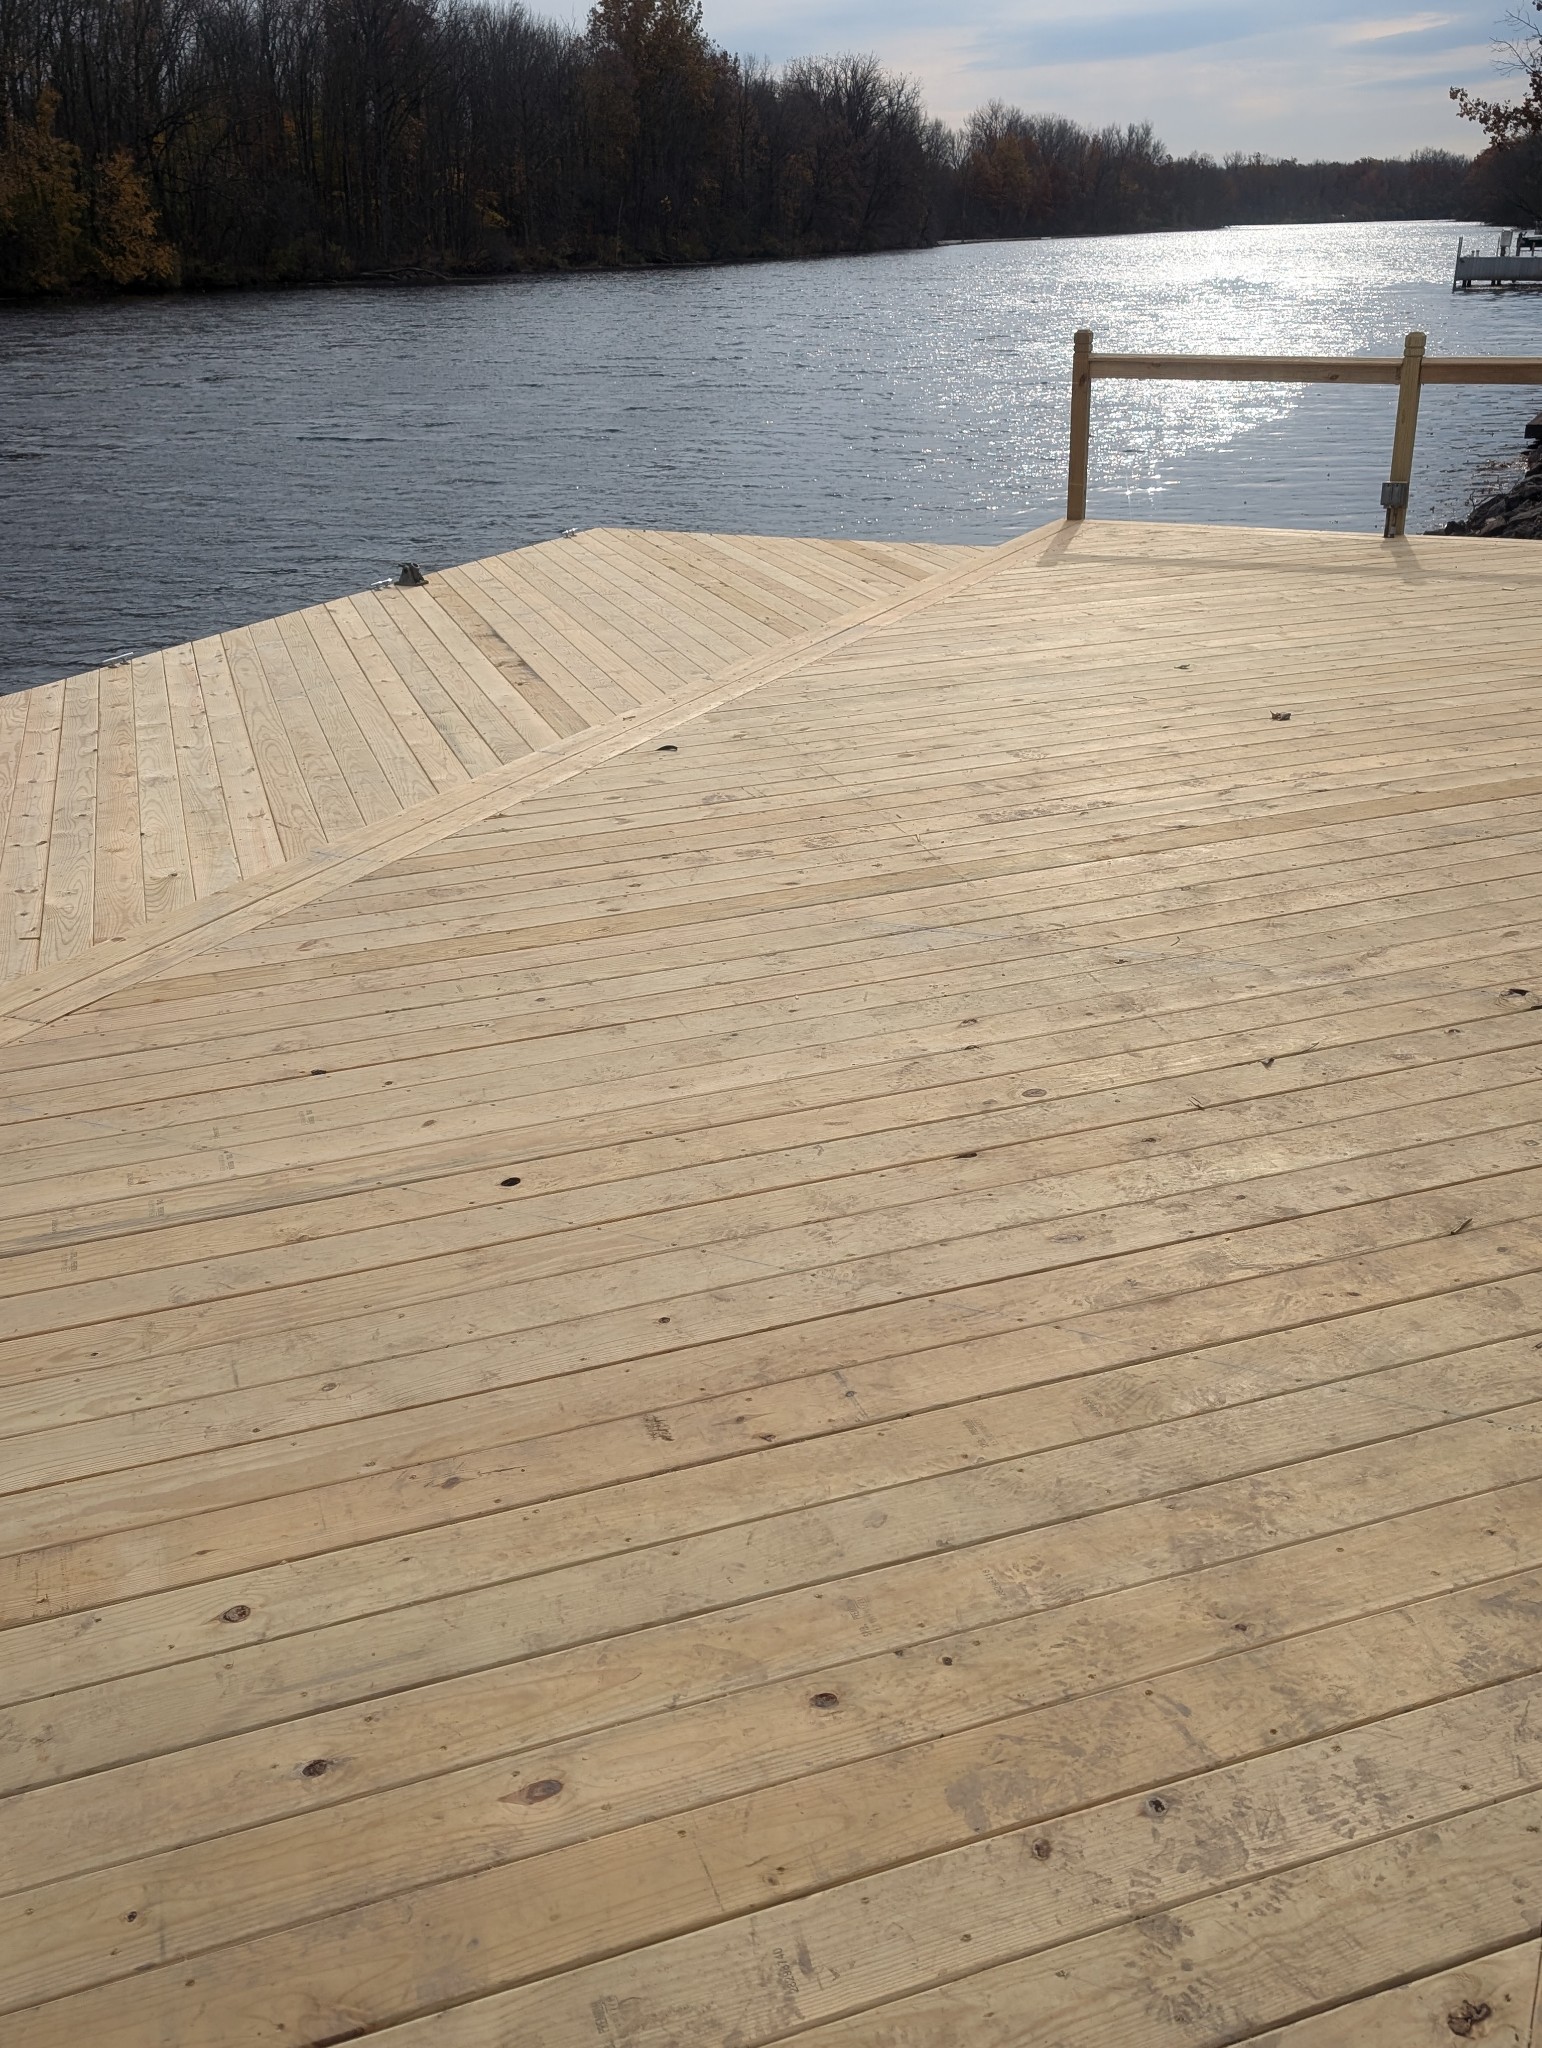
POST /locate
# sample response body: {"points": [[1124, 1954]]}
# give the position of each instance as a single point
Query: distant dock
{"points": [[1517, 259]]}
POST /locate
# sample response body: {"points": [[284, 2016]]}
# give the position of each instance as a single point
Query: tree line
{"points": [[150, 143]]}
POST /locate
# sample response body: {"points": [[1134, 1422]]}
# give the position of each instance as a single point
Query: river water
{"points": [[172, 466]]}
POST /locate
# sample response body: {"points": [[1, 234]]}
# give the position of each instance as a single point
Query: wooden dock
{"points": [[1503, 265], [852, 1354], [142, 788]]}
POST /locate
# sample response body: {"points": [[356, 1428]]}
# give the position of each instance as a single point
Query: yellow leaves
{"points": [[1004, 175], [656, 41], [126, 242], [63, 225], [41, 205]]}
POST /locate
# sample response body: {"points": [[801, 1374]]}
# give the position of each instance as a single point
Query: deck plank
{"points": [[68, 909], [288, 736], [254, 835], [216, 864], [1491, 2000], [476, 734], [167, 861], [13, 731], [1130, 1746], [24, 856], [119, 894], [853, 1359], [278, 753], [493, 632], [418, 728]]}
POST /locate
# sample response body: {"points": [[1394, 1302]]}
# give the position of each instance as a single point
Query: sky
{"points": [[1305, 78]]}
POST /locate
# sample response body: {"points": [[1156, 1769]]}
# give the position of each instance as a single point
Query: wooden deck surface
{"points": [[862, 1365], [137, 790]]}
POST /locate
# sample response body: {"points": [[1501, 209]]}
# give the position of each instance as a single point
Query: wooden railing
{"points": [[1410, 372]]}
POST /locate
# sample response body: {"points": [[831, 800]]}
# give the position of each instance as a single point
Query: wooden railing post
{"points": [[1081, 424], [1394, 493], [1410, 373]]}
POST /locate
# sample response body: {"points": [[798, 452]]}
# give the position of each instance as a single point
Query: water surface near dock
{"points": [[172, 467]]}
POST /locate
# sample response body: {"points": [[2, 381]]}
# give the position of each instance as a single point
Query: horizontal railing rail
{"points": [[1409, 372]]}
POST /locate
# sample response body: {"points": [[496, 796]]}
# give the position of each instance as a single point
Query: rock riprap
{"points": [[1515, 514]]}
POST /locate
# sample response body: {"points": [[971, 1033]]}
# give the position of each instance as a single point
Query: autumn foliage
{"points": [[145, 143], [1507, 178], [64, 222]]}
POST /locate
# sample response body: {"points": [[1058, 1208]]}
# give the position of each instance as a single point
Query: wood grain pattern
{"points": [[851, 1357], [146, 789]]}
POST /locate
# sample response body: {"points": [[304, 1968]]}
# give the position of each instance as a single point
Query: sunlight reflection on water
{"points": [[171, 466]]}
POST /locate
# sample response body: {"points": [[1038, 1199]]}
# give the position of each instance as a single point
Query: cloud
{"points": [[1341, 78], [1101, 39], [1384, 31]]}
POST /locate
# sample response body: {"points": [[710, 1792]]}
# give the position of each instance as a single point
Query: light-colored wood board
{"points": [[729, 1608], [371, 707], [253, 831], [1432, 1141], [307, 1480], [339, 1475], [24, 856], [1319, 1935], [13, 729], [1324, 1896], [585, 584], [353, 1018], [342, 715], [1339, 1044], [295, 817], [741, 596], [442, 642], [568, 702], [214, 860], [167, 861], [685, 614], [472, 907], [1021, 1221], [480, 737], [411, 782], [1214, 1707], [914, 899], [666, 1069], [1112, 1127], [61, 992], [68, 908], [810, 1257], [1240, 1704], [407, 710], [336, 808], [1491, 2000], [118, 893], [571, 626], [1086, 1471], [349, 1008]]}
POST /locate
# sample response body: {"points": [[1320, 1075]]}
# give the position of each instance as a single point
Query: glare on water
{"points": [[171, 466]]}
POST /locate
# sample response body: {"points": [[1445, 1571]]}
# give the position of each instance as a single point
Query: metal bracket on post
{"points": [[1081, 424], [1394, 493]]}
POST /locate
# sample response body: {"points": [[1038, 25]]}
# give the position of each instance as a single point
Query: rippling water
{"points": [[169, 467]]}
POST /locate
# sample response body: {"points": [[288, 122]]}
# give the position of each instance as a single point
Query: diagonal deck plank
{"points": [[248, 750], [868, 1373]]}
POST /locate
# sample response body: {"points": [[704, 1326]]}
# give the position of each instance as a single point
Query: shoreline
{"points": [[1514, 513], [423, 277]]}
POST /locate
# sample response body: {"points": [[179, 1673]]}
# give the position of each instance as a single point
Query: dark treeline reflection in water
{"points": [[171, 466]]}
